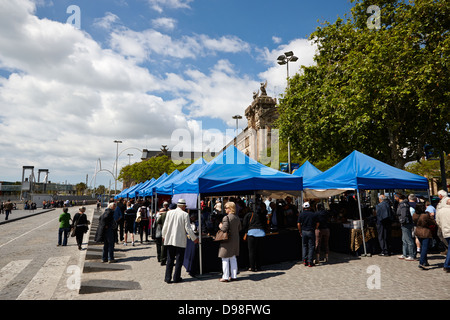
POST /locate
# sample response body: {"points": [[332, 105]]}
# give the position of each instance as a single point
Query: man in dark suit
{"points": [[384, 224]]}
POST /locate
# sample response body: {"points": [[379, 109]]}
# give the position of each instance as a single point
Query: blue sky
{"points": [[138, 71]]}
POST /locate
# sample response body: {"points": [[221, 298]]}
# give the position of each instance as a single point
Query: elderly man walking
{"points": [[176, 225]]}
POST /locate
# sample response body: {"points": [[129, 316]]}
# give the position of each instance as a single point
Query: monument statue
{"points": [[263, 88]]}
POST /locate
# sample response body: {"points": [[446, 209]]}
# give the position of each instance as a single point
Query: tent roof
{"points": [[361, 172], [166, 186], [307, 170], [234, 172], [148, 190], [126, 192]]}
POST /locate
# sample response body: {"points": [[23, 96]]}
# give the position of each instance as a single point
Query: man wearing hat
{"points": [[307, 224], [176, 225]]}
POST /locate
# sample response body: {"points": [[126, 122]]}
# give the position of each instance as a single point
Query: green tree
{"points": [[80, 188], [383, 92]]}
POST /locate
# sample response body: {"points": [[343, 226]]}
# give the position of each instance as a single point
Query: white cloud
{"points": [[276, 40], [107, 21], [277, 74], [219, 94], [140, 45], [159, 5], [67, 99], [164, 23]]}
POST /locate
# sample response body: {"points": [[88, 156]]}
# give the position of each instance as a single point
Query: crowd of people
{"points": [[172, 224]]}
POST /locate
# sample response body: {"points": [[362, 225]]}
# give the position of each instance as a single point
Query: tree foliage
{"points": [[383, 92]]}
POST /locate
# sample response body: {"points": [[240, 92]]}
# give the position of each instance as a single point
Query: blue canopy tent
{"points": [[169, 179], [144, 192], [123, 193], [360, 172], [307, 171], [240, 174], [130, 192], [187, 187], [167, 186], [134, 193], [232, 172]]}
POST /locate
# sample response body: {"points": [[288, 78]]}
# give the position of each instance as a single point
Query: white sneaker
{"points": [[124, 243], [402, 257], [410, 259]]}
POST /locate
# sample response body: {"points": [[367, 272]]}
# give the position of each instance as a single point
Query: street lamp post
{"points": [[117, 158], [237, 117], [129, 158], [285, 59]]}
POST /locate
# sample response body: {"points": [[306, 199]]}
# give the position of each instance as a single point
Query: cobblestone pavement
{"points": [[138, 275]]}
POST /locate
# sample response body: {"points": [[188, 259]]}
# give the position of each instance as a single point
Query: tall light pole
{"points": [[285, 59], [129, 158], [237, 117], [117, 158]]}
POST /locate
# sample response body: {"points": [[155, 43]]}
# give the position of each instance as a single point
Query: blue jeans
{"points": [[308, 243], [424, 245], [61, 232], [408, 241], [447, 259], [108, 245]]}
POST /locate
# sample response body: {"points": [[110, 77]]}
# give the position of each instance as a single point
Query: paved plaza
{"points": [[138, 275]]}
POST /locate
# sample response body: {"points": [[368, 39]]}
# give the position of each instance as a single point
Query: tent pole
{"points": [[301, 202], [200, 234], [362, 225]]}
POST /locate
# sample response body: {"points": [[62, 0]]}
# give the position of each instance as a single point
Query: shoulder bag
{"points": [[222, 235]]}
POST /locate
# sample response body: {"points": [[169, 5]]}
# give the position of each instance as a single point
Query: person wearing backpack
{"points": [[406, 223], [143, 215]]}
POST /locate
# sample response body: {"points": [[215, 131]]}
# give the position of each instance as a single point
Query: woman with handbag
{"points": [[424, 222], [80, 224], [254, 223], [229, 249]]}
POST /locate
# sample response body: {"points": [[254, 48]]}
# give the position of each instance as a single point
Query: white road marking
{"points": [[10, 271], [23, 234], [44, 283]]}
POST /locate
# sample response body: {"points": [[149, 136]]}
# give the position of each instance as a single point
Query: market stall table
{"points": [[278, 247]]}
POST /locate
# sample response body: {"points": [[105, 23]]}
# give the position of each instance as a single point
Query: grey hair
{"points": [[111, 205], [443, 193], [382, 197], [412, 197]]}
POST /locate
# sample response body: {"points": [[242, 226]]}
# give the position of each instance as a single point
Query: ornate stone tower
{"points": [[260, 115]]}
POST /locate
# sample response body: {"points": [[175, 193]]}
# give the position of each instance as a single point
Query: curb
{"points": [[26, 216]]}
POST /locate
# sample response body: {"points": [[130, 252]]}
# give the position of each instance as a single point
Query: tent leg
{"points": [[362, 226], [200, 235], [301, 202]]}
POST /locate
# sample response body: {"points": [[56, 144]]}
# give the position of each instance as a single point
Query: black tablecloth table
{"points": [[278, 247]]}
